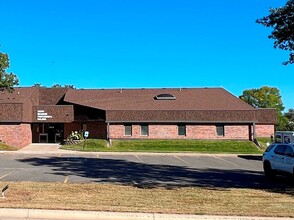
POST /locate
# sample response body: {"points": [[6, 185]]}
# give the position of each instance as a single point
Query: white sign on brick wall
{"points": [[42, 115]]}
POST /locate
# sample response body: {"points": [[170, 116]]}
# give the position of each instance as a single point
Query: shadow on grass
{"points": [[155, 175]]}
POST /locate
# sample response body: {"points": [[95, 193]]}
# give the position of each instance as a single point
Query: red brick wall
{"points": [[96, 130], [264, 130], [18, 135], [69, 127], [192, 132]]}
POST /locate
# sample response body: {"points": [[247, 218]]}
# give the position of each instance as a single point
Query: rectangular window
{"points": [[128, 130], [182, 130], [220, 130], [144, 130]]}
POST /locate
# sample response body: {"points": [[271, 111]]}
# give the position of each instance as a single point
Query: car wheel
{"points": [[268, 171]]}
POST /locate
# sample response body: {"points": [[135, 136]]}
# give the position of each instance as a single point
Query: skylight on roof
{"points": [[165, 97]]}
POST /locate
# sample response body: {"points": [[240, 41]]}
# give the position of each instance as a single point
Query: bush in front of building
{"points": [[76, 135]]}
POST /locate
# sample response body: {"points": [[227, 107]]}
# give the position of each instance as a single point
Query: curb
{"points": [[78, 153], [91, 215]]}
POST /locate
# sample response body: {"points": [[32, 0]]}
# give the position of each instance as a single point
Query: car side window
{"points": [[289, 151], [280, 149], [269, 148]]}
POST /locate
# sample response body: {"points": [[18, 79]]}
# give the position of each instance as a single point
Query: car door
{"points": [[288, 160], [278, 157]]}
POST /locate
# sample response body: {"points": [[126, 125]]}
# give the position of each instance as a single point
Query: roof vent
{"points": [[165, 97]]}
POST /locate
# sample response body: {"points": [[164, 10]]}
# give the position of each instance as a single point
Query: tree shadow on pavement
{"points": [[142, 175]]}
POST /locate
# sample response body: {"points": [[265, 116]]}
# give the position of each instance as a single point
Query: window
{"points": [[182, 130], [128, 130], [280, 149], [269, 148], [144, 130], [278, 138], [220, 130], [289, 151]]}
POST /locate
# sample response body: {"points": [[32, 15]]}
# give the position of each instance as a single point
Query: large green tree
{"points": [[267, 97], [281, 20], [7, 80], [290, 116]]}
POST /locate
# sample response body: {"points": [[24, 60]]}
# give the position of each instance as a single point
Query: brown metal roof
{"points": [[143, 99]]}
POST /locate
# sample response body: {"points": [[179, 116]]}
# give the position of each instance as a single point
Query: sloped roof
{"points": [[143, 99], [19, 95]]}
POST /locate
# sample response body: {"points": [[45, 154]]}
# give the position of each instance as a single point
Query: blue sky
{"points": [[144, 44]]}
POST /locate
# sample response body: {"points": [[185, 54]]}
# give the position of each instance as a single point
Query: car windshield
{"points": [[269, 148]]}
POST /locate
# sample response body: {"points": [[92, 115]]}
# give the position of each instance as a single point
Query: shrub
{"points": [[76, 135]]}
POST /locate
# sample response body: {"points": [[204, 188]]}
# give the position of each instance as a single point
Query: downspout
{"points": [[254, 132], [254, 136], [108, 135]]}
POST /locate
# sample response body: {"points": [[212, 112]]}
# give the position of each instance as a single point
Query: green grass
{"points": [[263, 142], [88, 146], [7, 147], [201, 146]]}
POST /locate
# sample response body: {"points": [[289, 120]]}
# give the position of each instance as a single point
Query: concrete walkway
{"points": [[43, 149], [89, 215]]}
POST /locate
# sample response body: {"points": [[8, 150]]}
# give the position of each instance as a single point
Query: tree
{"points": [[57, 86], [64, 86], [282, 21], [70, 86], [7, 80], [290, 116], [38, 85], [267, 97]]}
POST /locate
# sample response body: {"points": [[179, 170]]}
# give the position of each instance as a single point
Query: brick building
{"points": [[33, 115]]}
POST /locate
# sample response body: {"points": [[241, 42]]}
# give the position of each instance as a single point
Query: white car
{"points": [[278, 157]]}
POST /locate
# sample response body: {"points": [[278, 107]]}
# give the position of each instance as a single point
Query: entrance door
{"points": [[47, 133]]}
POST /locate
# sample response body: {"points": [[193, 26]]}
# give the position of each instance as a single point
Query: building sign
{"points": [[42, 115]]}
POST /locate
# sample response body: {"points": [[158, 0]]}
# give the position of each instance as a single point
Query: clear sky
{"points": [[144, 44]]}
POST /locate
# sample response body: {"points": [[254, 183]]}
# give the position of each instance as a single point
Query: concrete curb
{"points": [[91, 215], [77, 153]]}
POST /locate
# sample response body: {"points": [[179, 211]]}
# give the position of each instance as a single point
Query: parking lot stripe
{"points": [[138, 158], [182, 160], [7, 174], [59, 155], [97, 156], [66, 179], [225, 160]]}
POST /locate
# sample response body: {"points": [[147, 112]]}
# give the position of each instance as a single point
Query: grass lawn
{"points": [[263, 142], [202, 146], [7, 147], [185, 200]]}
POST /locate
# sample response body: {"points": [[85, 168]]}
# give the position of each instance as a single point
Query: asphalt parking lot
{"points": [[144, 170]]}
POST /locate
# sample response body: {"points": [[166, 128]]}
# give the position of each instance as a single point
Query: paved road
{"points": [[142, 170]]}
